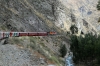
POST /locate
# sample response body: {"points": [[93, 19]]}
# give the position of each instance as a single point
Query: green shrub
{"points": [[99, 19], [55, 59], [63, 50], [98, 5], [74, 29]]}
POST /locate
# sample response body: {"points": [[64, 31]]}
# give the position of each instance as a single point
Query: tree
{"points": [[63, 50], [74, 29], [85, 48], [98, 5]]}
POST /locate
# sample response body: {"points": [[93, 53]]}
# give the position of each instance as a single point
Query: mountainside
{"points": [[44, 16], [84, 14], [30, 16], [26, 14]]}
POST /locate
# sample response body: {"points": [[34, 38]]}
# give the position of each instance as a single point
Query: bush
{"points": [[63, 50], [98, 5], [74, 29], [99, 19]]}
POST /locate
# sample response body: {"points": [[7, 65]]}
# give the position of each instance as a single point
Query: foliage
{"points": [[63, 50], [99, 19], [3, 27], [55, 59], [98, 5], [85, 48], [74, 29]]}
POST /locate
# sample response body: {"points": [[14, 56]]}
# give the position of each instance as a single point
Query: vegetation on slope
{"points": [[74, 29], [63, 50], [98, 5], [86, 49], [38, 44]]}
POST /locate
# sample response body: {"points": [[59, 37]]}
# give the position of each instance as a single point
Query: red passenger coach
{"points": [[33, 33], [42, 33], [23, 34], [17, 34]]}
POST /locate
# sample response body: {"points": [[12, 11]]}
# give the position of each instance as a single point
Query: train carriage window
{"points": [[15, 34], [7, 34]]}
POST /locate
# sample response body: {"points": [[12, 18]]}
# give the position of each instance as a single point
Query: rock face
{"points": [[84, 14], [48, 15], [28, 15], [11, 55], [16, 57]]}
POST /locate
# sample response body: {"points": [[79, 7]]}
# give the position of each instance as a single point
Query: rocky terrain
{"points": [[43, 15], [84, 14]]}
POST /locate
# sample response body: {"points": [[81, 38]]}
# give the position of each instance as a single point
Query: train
{"points": [[18, 34]]}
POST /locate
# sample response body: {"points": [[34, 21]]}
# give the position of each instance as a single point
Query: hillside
{"points": [[28, 16], [43, 16]]}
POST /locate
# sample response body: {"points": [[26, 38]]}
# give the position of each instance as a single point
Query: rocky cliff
{"points": [[43, 15], [83, 13], [38, 15]]}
